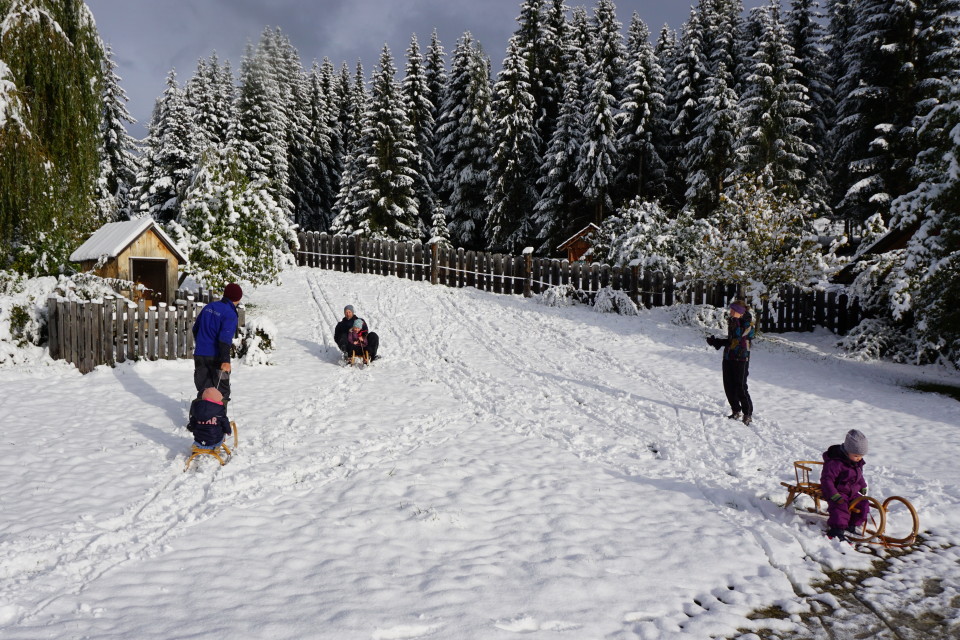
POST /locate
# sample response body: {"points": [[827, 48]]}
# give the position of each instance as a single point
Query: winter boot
{"points": [[736, 415], [747, 419], [836, 532]]}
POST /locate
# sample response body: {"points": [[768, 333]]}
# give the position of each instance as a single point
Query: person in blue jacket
{"points": [[213, 333]]}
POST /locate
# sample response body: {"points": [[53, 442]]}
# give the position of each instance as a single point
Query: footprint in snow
{"points": [[406, 631]]}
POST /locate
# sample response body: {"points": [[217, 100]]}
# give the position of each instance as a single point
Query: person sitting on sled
{"points": [[341, 335], [841, 481], [357, 338], [208, 420]]}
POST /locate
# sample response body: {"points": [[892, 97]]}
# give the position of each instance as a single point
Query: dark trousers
{"points": [[206, 373], [735, 374], [373, 342]]}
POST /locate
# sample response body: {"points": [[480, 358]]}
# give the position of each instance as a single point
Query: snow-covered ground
{"points": [[506, 468]]}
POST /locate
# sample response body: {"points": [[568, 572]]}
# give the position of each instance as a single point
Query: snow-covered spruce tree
{"points": [[805, 30], [555, 60], [170, 156], [386, 205], [259, 137], [609, 50], [538, 39], [321, 162], [516, 158], [722, 35], [419, 106], [686, 86], [118, 161], [465, 147], [439, 230], [51, 69], [874, 135], [581, 35], [435, 71], [598, 159], [231, 226], [763, 240], [643, 231], [641, 124], [560, 212], [210, 96], [775, 108], [711, 153]]}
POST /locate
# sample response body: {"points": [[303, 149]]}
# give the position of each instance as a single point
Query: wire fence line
{"points": [[796, 309]]}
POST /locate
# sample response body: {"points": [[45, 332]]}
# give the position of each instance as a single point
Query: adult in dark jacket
{"points": [[342, 330], [213, 333], [736, 360], [841, 481], [208, 419]]}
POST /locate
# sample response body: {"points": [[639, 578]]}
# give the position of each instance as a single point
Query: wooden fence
{"points": [[796, 310], [88, 334]]}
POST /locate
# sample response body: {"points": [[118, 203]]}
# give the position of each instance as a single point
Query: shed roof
{"points": [[112, 238], [590, 227]]}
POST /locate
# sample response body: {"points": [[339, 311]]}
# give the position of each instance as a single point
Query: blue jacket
{"points": [[214, 328], [208, 422]]}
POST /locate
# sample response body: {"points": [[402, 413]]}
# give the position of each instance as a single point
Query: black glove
{"points": [[715, 342]]}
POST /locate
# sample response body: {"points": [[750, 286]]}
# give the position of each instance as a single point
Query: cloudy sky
{"points": [[150, 37]]}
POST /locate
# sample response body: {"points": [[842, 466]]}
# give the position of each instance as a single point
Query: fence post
{"points": [[527, 271], [162, 331], [635, 280], [108, 331], [417, 260], [53, 335], [434, 262], [172, 332]]}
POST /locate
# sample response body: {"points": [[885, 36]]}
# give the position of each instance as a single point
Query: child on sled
{"points": [[841, 481], [357, 340], [208, 420]]}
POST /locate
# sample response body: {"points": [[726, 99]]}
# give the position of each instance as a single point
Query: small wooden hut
{"points": [[137, 251], [578, 244]]}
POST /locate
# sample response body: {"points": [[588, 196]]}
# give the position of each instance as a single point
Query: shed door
{"points": [[152, 274]]}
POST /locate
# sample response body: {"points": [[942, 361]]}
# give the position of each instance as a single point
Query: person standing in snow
{"points": [[213, 333], [841, 481], [736, 360], [341, 334]]}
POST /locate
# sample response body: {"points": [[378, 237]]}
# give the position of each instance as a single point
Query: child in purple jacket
{"points": [[841, 481]]}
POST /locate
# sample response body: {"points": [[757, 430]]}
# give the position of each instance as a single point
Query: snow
{"points": [[112, 238], [505, 468]]}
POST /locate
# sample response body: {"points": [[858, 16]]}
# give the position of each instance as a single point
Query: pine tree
{"points": [[319, 162], [560, 211], [516, 157], [51, 70], [259, 137], [610, 52], [641, 124], [464, 134], [419, 106], [874, 133], [711, 152], [170, 155], [386, 203], [118, 162], [230, 226], [686, 87], [806, 36], [210, 96], [775, 109], [598, 150]]}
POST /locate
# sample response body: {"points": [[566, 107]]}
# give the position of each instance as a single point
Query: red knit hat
{"points": [[233, 292]]}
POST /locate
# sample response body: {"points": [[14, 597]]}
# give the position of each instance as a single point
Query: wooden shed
{"points": [[135, 250], [578, 244]]}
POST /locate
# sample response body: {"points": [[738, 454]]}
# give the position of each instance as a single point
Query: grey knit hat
{"points": [[855, 443], [349, 308]]}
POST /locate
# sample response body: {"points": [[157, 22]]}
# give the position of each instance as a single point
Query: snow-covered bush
{"points": [[557, 296], [23, 308], [231, 227], [641, 231], [614, 301], [256, 341], [704, 316], [875, 338], [764, 240]]}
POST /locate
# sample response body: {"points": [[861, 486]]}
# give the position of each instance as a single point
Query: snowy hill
{"points": [[506, 468]]}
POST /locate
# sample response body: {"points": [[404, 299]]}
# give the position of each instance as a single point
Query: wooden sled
{"points": [[356, 360], [873, 531], [215, 451]]}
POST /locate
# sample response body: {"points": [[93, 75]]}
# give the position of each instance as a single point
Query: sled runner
{"points": [[215, 451], [874, 530]]}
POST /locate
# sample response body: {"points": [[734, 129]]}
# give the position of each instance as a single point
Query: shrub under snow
{"points": [[256, 341], [614, 301]]}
